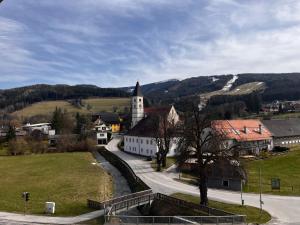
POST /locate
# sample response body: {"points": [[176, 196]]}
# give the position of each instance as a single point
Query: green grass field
{"points": [[286, 167], [95, 105], [68, 179], [252, 213]]}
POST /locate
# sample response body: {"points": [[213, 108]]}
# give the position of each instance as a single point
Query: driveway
{"points": [[284, 209]]}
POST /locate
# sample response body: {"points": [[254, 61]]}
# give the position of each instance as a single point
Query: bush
{"points": [[280, 149], [18, 147]]}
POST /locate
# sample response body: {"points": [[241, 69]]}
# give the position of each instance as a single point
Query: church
{"points": [[140, 139]]}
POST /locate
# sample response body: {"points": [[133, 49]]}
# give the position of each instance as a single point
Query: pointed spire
{"points": [[137, 91]]}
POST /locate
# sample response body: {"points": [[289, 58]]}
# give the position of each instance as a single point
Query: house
{"points": [[251, 135], [102, 131], [141, 138], [110, 119], [42, 127], [284, 132]]}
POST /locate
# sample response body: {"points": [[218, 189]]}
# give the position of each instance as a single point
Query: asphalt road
{"points": [[284, 209]]}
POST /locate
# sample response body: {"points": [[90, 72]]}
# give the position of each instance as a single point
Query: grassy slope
{"points": [[65, 178], [107, 104], [286, 167], [97, 104], [252, 213]]}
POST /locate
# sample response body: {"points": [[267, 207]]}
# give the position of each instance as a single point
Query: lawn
{"points": [[170, 161], [65, 178], [252, 213], [286, 167]]}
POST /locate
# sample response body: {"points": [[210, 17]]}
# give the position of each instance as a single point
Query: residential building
{"points": [[109, 119], [284, 132], [251, 135], [43, 127]]}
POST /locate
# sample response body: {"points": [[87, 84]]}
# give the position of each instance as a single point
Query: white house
{"points": [[43, 127], [101, 130], [140, 139]]}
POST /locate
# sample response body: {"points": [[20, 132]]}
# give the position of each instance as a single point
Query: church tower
{"points": [[137, 105]]}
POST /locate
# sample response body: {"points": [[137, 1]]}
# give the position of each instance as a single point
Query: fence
{"points": [[233, 219], [193, 206], [135, 183], [101, 205]]}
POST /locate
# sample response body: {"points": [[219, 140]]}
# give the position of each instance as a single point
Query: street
{"points": [[284, 209]]}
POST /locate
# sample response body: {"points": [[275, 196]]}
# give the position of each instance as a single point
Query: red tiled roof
{"points": [[242, 130]]}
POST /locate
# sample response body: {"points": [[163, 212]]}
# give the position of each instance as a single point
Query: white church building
{"points": [[140, 139]]}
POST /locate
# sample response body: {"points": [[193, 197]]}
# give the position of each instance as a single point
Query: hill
{"points": [[170, 90], [18, 98], [90, 105]]}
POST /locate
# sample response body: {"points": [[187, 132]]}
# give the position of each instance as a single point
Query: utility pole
{"points": [[242, 200], [260, 191]]}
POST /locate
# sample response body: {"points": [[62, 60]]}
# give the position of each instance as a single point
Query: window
{"points": [[140, 106], [134, 100], [225, 183], [151, 142], [141, 150], [141, 141], [147, 142], [137, 140], [140, 100], [130, 148]]}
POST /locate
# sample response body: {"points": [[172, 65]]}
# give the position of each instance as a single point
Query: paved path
{"points": [[284, 209]]}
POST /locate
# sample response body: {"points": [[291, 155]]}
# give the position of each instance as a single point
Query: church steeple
{"points": [[137, 90], [137, 105]]}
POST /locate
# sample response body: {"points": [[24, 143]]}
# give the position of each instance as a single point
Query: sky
{"points": [[113, 43]]}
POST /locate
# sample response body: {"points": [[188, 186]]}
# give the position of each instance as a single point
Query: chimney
{"points": [[245, 130], [260, 128]]}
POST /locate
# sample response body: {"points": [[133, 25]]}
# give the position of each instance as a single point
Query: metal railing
{"points": [[129, 203], [200, 220]]}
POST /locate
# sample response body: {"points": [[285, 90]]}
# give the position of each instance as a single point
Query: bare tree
{"points": [[164, 135], [201, 141]]}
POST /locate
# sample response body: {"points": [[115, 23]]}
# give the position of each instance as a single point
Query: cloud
{"points": [[115, 42]]}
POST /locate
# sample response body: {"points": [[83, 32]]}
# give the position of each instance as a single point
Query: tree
{"points": [[11, 133], [200, 140], [57, 120], [62, 122], [164, 136]]}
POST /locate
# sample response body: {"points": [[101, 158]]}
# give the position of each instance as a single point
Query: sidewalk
{"points": [[13, 218]]}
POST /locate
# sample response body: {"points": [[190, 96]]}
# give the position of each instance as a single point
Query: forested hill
{"points": [[279, 86], [171, 90], [17, 98]]}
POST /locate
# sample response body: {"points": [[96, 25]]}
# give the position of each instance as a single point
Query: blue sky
{"points": [[113, 43]]}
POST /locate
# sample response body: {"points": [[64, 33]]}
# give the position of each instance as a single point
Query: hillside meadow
{"points": [[91, 105]]}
